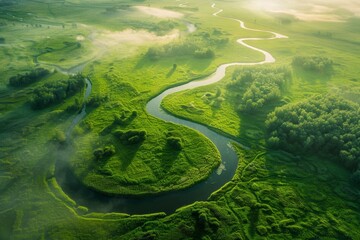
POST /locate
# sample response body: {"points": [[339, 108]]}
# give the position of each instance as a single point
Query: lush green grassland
{"points": [[273, 195], [269, 198]]}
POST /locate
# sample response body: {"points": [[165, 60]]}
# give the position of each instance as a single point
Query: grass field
{"points": [[273, 195]]}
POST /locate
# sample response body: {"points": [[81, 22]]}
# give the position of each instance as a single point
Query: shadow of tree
{"points": [[127, 154], [168, 157]]}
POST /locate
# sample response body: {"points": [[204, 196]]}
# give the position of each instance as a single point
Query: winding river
{"points": [[170, 201]]}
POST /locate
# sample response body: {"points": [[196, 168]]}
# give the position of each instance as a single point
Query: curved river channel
{"points": [[170, 201]]}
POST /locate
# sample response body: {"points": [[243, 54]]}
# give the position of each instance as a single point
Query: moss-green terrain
{"points": [[299, 178]]}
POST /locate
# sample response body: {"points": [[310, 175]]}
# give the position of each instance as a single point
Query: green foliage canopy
{"points": [[326, 124], [260, 86]]}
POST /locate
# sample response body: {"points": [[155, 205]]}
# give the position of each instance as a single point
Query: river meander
{"points": [[168, 202]]}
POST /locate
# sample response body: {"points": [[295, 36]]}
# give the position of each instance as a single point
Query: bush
{"points": [[174, 142], [130, 137], [105, 152], [60, 137], [204, 53], [261, 230], [123, 118]]}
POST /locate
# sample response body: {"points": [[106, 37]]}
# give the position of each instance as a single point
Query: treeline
{"points": [[258, 86], [22, 80], [322, 124], [163, 27], [56, 92], [313, 63], [198, 45], [179, 49]]}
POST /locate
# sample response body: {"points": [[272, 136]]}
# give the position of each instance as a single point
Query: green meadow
{"points": [[297, 178]]}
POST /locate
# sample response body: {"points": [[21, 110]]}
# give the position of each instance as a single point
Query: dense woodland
{"points": [[322, 124], [55, 92], [313, 63], [257, 87], [24, 79]]}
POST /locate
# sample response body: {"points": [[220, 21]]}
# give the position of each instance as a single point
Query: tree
{"points": [[174, 142]]}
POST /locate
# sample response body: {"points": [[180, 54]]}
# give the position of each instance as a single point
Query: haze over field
{"points": [[158, 12], [175, 119], [308, 10]]}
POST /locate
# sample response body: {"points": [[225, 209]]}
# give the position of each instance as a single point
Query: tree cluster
{"points": [[163, 27], [96, 100], [179, 49], [174, 142], [214, 100], [313, 63], [125, 117], [55, 92], [21, 80], [130, 137], [259, 86], [105, 152], [322, 124], [199, 45]]}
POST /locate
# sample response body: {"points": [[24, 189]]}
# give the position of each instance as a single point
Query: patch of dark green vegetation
{"points": [[174, 140], [97, 100], [55, 92], [313, 63], [163, 27], [214, 99], [199, 45], [325, 125], [269, 198], [125, 117], [105, 152], [258, 87], [130, 137], [22, 80], [180, 49]]}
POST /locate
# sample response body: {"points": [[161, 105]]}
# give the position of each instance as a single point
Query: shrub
{"points": [[261, 230], [105, 152], [60, 137], [123, 118], [174, 142], [130, 137]]}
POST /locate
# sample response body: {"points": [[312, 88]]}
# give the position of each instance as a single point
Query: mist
{"points": [[314, 10]]}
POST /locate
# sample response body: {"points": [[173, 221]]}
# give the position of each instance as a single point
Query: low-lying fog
{"points": [[312, 10]]}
